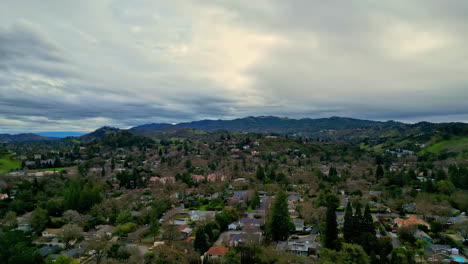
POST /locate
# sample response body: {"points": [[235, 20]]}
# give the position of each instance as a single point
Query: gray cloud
{"points": [[83, 64]]}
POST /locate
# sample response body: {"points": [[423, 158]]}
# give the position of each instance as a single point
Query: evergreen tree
{"points": [[331, 229], [280, 223], [357, 216], [379, 172], [201, 241], [367, 222], [348, 227], [255, 200], [333, 175], [260, 173]]}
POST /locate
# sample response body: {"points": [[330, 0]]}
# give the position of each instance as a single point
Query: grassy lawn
{"points": [[51, 169], [7, 163], [456, 144]]}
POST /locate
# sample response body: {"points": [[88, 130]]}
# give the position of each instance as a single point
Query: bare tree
{"points": [[69, 233], [100, 247]]}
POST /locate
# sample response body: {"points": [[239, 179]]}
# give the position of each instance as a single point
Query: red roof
{"points": [[217, 250]]}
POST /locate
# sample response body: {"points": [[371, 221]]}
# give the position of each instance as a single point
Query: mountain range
{"points": [[333, 127]]}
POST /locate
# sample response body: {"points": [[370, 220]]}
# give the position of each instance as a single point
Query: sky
{"points": [[80, 65]]}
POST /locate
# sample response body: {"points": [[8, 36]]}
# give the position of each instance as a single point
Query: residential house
{"points": [[166, 180], [3, 196], [198, 178], [104, 231], [47, 250], [51, 232], [300, 246], [298, 225], [412, 220], [216, 177], [216, 251], [197, 215], [423, 236], [186, 230]]}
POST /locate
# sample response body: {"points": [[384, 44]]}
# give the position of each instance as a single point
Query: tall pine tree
{"points": [[331, 229], [348, 227], [280, 223]]}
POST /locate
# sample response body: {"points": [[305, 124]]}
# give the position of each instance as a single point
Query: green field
{"points": [[456, 144], [7, 163], [51, 169]]}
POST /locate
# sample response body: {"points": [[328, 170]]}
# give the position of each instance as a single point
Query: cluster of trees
{"points": [[81, 195], [359, 229]]}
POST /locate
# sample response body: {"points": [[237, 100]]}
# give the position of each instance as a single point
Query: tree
{"points": [[10, 220], [331, 229], [462, 229], [260, 174], [231, 257], [279, 225], [367, 222], [348, 227], [16, 248], [154, 223], [39, 219], [170, 232], [100, 247], [62, 259], [69, 233], [354, 254], [227, 216], [255, 200], [72, 216], [401, 256], [201, 241], [333, 175], [379, 172]]}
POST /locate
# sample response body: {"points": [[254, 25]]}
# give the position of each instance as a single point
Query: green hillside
{"points": [[455, 144], [7, 163]]}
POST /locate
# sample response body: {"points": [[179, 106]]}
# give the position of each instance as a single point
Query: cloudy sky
{"points": [[79, 65]]}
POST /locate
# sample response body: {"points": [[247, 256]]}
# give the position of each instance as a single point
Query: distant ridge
{"points": [[339, 128], [24, 137], [274, 124]]}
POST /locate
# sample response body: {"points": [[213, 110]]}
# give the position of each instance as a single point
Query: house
{"points": [[215, 177], [198, 178], [243, 238], [47, 250], [166, 180], [412, 220], [73, 253], [216, 251], [104, 231], [3, 196], [51, 232], [233, 226], [409, 207], [240, 180], [300, 246], [298, 225], [197, 215], [24, 222], [235, 240], [154, 179], [186, 230], [423, 236], [375, 193], [250, 222]]}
